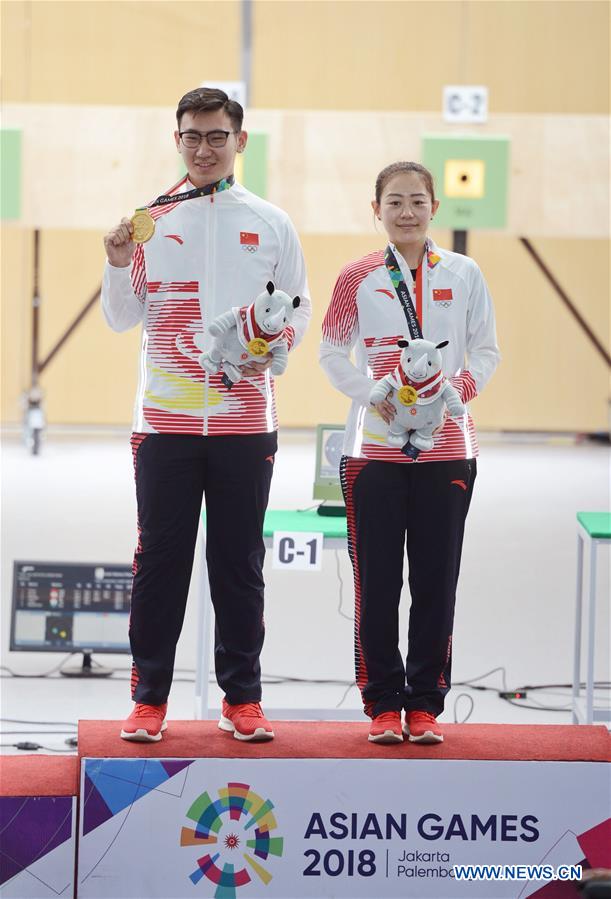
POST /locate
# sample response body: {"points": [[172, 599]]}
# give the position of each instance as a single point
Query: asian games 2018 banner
{"points": [[293, 828]]}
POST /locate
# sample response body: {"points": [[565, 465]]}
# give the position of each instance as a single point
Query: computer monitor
{"points": [[329, 447], [66, 607]]}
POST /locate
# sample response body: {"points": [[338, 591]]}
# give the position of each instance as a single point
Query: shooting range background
{"points": [[341, 89]]}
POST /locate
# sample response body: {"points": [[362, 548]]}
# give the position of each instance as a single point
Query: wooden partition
{"points": [[357, 90]]}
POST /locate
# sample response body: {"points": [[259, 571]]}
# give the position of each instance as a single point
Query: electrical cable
{"points": [[10, 733], [558, 708], [555, 692], [536, 708], [343, 699], [341, 590], [469, 713], [56, 723], [271, 679], [188, 670], [32, 747], [44, 674], [598, 685], [471, 681]]}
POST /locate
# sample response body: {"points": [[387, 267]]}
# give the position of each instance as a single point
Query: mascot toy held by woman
{"points": [[247, 334], [420, 393]]}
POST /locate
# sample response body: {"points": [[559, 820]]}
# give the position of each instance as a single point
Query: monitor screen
{"points": [[329, 444], [64, 607]]}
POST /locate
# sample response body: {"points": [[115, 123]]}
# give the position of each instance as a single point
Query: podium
{"points": [[318, 812]]}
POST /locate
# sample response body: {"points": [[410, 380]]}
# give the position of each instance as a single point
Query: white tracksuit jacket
{"points": [[365, 315], [207, 255]]}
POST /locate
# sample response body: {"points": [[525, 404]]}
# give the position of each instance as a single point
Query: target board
{"points": [[471, 178]]}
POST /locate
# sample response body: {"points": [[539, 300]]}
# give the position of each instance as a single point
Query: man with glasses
{"points": [[203, 247]]}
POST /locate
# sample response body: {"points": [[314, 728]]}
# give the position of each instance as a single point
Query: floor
{"points": [[515, 608]]}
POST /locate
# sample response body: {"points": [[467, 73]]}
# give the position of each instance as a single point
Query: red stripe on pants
{"points": [[349, 470], [136, 441]]}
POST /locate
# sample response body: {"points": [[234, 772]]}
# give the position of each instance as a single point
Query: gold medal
{"points": [[144, 225], [407, 395], [258, 346]]}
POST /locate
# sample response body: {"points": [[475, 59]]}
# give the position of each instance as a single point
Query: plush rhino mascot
{"points": [[246, 334], [419, 392]]}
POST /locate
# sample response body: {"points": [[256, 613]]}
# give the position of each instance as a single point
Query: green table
{"points": [[332, 527], [593, 528]]}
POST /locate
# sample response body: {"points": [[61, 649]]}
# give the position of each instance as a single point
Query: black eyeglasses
{"points": [[192, 139]]}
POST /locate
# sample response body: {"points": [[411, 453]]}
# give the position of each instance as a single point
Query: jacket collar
{"points": [[431, 252]]}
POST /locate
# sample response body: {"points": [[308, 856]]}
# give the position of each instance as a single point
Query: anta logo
{"points": [[175, 237], [249, 241], [387, 292], [459, 484]]}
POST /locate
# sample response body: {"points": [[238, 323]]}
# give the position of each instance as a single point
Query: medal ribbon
{"points": [[205, 191], [249, 330], [424, 389], [405, 298], [253, 329]]}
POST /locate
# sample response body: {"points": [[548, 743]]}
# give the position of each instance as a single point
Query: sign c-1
{"points": [[297, 550]]}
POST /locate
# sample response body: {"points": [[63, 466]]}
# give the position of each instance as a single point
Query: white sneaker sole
{"points": [[142, 736], [259, 735], [388, 736], [427, 737]]}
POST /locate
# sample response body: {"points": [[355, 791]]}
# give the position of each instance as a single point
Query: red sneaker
{"points": [[145, 723], [246, 720], [422, 727], [386, 728]]}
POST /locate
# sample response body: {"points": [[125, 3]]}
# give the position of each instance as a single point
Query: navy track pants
{"points": [[390, 507], [173, 472]]}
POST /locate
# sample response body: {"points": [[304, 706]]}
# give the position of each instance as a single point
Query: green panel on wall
{"points": [[471, 179], [10, 173], [255, 163]]}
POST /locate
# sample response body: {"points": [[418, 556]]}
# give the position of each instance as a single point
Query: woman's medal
{"points": [[143, 225], [258, 346], [407, 395]]}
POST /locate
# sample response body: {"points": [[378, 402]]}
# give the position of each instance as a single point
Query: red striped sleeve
{"points": [[290, 336], [465, 385], [139, 273], [341, 319]]}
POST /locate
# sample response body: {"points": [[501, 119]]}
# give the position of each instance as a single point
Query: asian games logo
{"points": [[237, 827]]}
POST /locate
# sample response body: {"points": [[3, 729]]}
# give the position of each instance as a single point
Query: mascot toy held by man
{"points": [[247, 334], [420, 393]]}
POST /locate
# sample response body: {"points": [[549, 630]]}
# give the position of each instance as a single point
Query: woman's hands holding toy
{"points": [[385, 409], [252, 369]]}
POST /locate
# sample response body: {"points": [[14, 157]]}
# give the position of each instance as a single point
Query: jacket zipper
{"points": [[210, 282]]}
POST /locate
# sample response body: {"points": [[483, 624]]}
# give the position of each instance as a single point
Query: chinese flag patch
{"points": [[249, 240], [444, 294]]}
